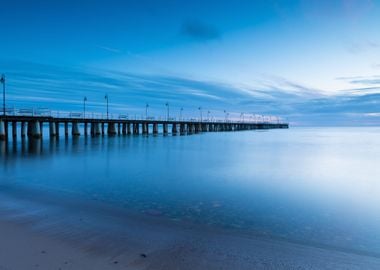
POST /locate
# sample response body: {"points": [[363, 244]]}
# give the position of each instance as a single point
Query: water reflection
{"points": [[317, 186]]}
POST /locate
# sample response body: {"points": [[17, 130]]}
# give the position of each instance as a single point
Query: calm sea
{"points": [[319, 186]]}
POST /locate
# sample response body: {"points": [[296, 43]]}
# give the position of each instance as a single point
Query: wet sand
{"points": [[65, 233]]}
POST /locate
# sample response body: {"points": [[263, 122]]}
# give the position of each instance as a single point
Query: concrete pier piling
{"points": [[36, 130], [174, 129], [136, 128], [103, 129], [52, 131], [41, 128], [57, 128], [75, 129], [85, 129], [124, 128], [66, 129], [3, 136], [145, 128], [155, 128], [23, 133], [14, 129], [165, 128], [97, 129], [182, 128], [111, 129]]}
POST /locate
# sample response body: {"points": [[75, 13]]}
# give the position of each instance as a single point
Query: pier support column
{"points": [[144, 128], [36, 130], [111, 130], [30, 127], [102, 128], [118, 128], [165, 128], [75, 129], [42, 128], [23, 130], [85, 129], [124, 128], [66, 129], [129, 129], [189, 128], [155, 128], [14, 129], [136, 128], [2, 131], [57, 128], [182, 128], [52, 131], [92, 129], [97, 131], [174, 128]]}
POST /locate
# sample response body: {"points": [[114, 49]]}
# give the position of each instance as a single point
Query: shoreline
{"points": [[82, 234]]}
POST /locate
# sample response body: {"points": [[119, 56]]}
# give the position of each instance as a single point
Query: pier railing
{"points": [[45, 112]]}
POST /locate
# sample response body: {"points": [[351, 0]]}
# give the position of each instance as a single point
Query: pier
{"points": [[33, 126]]}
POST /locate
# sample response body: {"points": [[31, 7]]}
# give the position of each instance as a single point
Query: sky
{"points": [[310, 62]]}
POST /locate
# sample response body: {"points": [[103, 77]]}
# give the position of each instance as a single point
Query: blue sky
{"points": [[312, 62]]}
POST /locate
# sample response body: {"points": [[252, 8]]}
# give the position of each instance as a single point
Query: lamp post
{"points": [[208, 115], [2, 80], [106, 97], [180, 114], [200, 111], [225, 116], [167, 108], [146, 111], [242, 117], [84, 107]]}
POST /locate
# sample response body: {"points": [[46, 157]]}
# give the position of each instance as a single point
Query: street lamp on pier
{"points": [[167, 108], [2, 80], [84, 107], [146, 111], [208, 115], [180, 114], [226, 116], [106, 97], [200, 110]]}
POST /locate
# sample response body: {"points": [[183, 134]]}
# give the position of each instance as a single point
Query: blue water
{"points": [[318, 186]]}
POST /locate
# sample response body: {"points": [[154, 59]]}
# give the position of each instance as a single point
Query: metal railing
{"points": [[96, 115]]}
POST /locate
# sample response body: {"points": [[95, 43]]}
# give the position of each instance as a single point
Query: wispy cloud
{"points": [[362, 46], [365, 80], [199, 31], [108, 49], [35, 85]]}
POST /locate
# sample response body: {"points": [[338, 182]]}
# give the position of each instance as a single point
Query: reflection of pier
{"points": [[33, 126]]}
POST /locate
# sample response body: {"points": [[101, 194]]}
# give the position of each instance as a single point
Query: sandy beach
{"points": [[83, 234]]}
